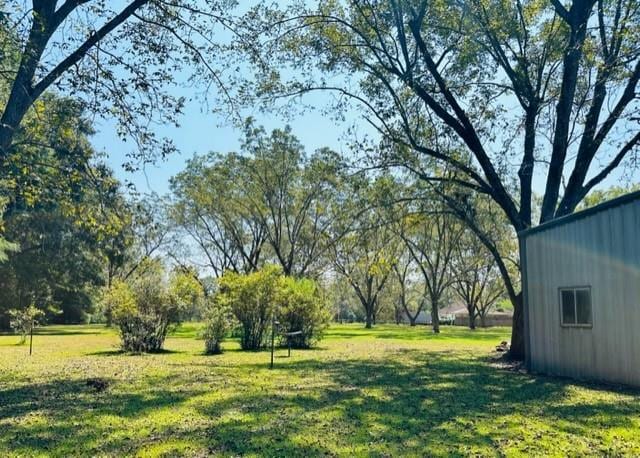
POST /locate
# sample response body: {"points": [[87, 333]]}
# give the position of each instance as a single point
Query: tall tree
{"points": [[271, 202], [291, 194], [412, 296], [61, 207], [499, 91], [477, 281], [210, 205], [118, 58], [364, 247], [431, 236], [6, 247]]}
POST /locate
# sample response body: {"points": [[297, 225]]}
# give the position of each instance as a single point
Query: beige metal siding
{"points": [[601, 251]]}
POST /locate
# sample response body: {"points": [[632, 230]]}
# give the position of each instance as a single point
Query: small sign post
{"points": [[33, 323], [273, 338]]}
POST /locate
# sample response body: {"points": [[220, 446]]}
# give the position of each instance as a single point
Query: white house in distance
{"points": [[581, 282]]}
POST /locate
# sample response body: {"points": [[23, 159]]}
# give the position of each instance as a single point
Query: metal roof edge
{"points": [[609, 204]]}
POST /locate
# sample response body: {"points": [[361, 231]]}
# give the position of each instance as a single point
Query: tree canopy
{"points": [[504, 95]]}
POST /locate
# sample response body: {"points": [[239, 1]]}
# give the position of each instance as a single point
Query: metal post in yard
{"points": [[31, 339], [274, 323]]}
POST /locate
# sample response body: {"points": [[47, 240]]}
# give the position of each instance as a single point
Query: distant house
{"points": [[457, 314], [491, 319], [453, 312], [422, 318], [581, 282]]}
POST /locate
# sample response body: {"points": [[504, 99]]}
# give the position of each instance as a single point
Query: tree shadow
{"points": [[65, 405], [417, 333], [387, 407], [72, 330], [120, 352], [404, 402]]}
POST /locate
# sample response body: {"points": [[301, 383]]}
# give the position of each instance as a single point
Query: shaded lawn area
{"points": [[392, 390]]}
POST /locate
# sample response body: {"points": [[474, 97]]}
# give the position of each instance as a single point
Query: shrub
{"points": [[251, 299], [301, 307], [256, 298], [217, 324], [145, 309], [23, 321]]}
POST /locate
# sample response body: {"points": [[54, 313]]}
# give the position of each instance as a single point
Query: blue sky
{"points": [[201, 132]]}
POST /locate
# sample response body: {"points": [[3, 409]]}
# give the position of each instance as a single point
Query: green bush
{"points": [[218, 321], [23, 321], [251, 299], [145, 309], [257, 298], [301, 307]]}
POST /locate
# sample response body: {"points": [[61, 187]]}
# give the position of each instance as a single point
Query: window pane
{"points": [[583, 306], [568, 307]]}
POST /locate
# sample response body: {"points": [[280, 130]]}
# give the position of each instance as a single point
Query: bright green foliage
{"points": [[256, 299], [62, 208], [252, 299], [218, 321], [269, 204], [302, 307], [366, 247], [23, 321], [602, 195], [388, 391], [146, 308], [5, 246]]}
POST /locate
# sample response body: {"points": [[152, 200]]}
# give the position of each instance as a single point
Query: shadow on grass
{"points": [[404, 332], [433, 403], [64, 403], [73, 330], [120, 352], [410, 402]]}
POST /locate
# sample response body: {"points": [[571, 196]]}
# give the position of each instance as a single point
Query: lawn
{"points": [[389, 391]]}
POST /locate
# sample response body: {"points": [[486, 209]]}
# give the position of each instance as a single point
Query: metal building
{"points": [[581, 283]]}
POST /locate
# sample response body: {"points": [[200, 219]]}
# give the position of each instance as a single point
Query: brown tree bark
{"points": [[517, 350]]}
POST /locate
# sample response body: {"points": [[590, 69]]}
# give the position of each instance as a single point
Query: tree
{"points": [[500, 92], [291, 195], [364, 247], [24, 320], [6, 247], [252, 299], [218, 321], [412, 297], [146, 308], [301, 307], [477, 281], [117, 59], [431, 235], [270, 203], [210, 205], [62, 206]]}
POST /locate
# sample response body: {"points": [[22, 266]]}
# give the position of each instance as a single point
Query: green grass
{"points": [[389, 391]]}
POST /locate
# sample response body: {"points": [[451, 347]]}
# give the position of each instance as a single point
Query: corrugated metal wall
{"points": [[601, 251]]}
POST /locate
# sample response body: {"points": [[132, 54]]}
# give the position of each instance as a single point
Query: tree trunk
{"points": [[472, 320], [517, 333], [108, 314], [435, 319], [483, 320], [369, 319], [412, 321]]}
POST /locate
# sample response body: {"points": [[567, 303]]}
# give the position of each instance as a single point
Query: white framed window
{"points": [[575, 307]]}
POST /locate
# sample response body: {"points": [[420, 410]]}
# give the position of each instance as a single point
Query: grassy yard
{"points": [[388, 391]]}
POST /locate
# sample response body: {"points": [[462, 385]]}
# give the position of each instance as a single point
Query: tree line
{"points": [[478, 100]]}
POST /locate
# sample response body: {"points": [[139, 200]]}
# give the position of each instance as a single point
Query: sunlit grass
{"points": [[392, 390]]}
